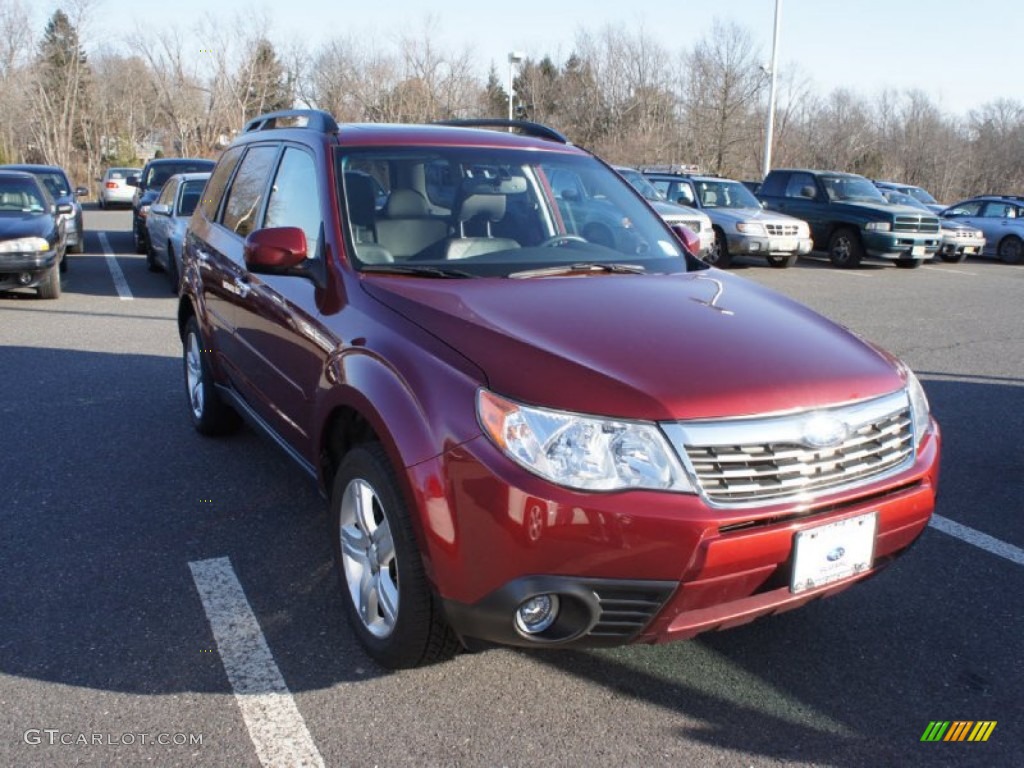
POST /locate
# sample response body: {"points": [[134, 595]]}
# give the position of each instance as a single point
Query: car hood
{"points": [[665, 208], [658, 347], [887, 209], [14, 225], [750, 214]]}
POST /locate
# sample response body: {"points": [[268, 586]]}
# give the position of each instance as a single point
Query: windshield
{"points": [[853, 188], [898, 198], [923, 196], [725, 194], [469, 211], [20, 196], [55, 182], [157, 175], [642, 185]]}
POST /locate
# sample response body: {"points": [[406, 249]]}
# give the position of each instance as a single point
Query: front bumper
{"points": [[25, 270], [766, 245], [900, 245], [637, 566], [957, 246]]}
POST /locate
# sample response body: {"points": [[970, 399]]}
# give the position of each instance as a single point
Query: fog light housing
{"points": [[537, 613], [25, 278]]}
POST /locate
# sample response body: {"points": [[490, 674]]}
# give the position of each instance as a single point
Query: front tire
{"points": [[49, 288], [909, 263], [390, 604], [845, 249], [172, 270], [718, 254], [151, 263], [210, 414], [1011, 250], [953, 258], [140, 242]]}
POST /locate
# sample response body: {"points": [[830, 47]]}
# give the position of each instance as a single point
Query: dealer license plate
{"points": [[832, 552], [917, 250]]}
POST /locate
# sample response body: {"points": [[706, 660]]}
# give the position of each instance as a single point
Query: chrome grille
{"points": [[742, 462], [782, 230], [915, 224]]}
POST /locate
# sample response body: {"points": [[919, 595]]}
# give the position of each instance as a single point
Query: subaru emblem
{"points": [[824, 431], [835, 554]]}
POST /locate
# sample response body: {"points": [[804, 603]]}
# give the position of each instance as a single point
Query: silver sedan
{"points": [[167, 221]]}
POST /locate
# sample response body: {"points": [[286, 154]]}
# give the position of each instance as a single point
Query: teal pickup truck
{"points": [[850, 219]]}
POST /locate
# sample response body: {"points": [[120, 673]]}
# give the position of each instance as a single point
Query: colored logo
{"points": [[959, 730], [835, 554]]}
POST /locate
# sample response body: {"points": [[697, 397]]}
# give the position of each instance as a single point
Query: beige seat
{"points": [[359, 198], [407, 227], [475, 209]]}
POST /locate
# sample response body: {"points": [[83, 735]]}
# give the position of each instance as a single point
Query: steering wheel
{"points": [[562, 239]]}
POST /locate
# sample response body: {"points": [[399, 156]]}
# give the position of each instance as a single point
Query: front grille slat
{"points": [[735, 465], [782, 230], [915, 224]]}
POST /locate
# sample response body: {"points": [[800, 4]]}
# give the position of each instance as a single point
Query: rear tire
{"points": [[845, 249], [782, 262], [49, 288], [210, 414], [1011, 250], [391, 606], [718, 254]]}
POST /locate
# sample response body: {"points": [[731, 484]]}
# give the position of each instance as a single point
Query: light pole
{"points": [[515, 57], [770, 127]]}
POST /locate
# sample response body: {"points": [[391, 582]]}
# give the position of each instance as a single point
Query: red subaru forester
{"points": [[540, 421]]}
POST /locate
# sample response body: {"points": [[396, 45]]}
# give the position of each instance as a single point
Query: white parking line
{"points": [[115, 270], [978, 539], [275, 725], [951, 271]]}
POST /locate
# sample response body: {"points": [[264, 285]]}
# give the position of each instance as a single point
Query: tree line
{"points": [[619, 93]]}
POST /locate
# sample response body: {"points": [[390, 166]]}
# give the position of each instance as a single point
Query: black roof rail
{"points": [[313, 119], [525, 126]]}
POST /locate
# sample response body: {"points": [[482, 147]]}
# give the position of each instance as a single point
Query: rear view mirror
{"points": [[808, 192], [160, 209], [81, 191]]}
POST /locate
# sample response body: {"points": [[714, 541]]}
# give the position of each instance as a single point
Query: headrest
{"points": [[360, 198], [406, 203], [490, 206]]}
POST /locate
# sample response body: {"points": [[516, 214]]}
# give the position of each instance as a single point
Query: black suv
{"points": [[148, 185]]}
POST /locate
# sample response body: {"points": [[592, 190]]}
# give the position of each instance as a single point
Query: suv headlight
{"points": [[878, 226], [920, 410], [24, 245], [750, 228], [583, 452]]}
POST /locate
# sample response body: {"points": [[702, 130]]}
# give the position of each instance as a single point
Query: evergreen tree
{"points": [[263, 85], [62, 86]]}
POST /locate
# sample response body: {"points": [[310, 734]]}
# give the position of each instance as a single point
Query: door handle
{"points": [[242, 286]]}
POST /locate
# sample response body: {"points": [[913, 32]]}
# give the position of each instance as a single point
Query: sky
{"points": [[961, 54]]}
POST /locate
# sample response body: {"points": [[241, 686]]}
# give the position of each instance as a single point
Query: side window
{"points": [[798, 182], [167, 194], [996, 210], [970, 208], [246, 194], [219, 180], [294, 198]]}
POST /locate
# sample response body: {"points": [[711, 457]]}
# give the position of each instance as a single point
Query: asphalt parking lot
{"points": [[171, 599]]}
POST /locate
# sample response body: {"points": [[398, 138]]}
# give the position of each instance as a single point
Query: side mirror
{"points": [[132, 181], [689, 239], [276, 250], [160, 209], [81, 191], [809, 192], [65, 208]]}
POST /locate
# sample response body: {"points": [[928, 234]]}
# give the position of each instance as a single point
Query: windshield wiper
{"points": [[581, 268], [420, 271]]}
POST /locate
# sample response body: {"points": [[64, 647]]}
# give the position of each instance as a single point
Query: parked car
{"points": [[673, 213], [918, 193], [167, 221], [32, 235], [148, 185], [1000, 218], [528, 436], [56, 182], [850, 219], [114, 187], [741, 225], [959, 240]]}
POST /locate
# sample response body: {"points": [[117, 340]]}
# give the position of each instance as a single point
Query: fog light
{"points": [[25, 278], [537, 614]]}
